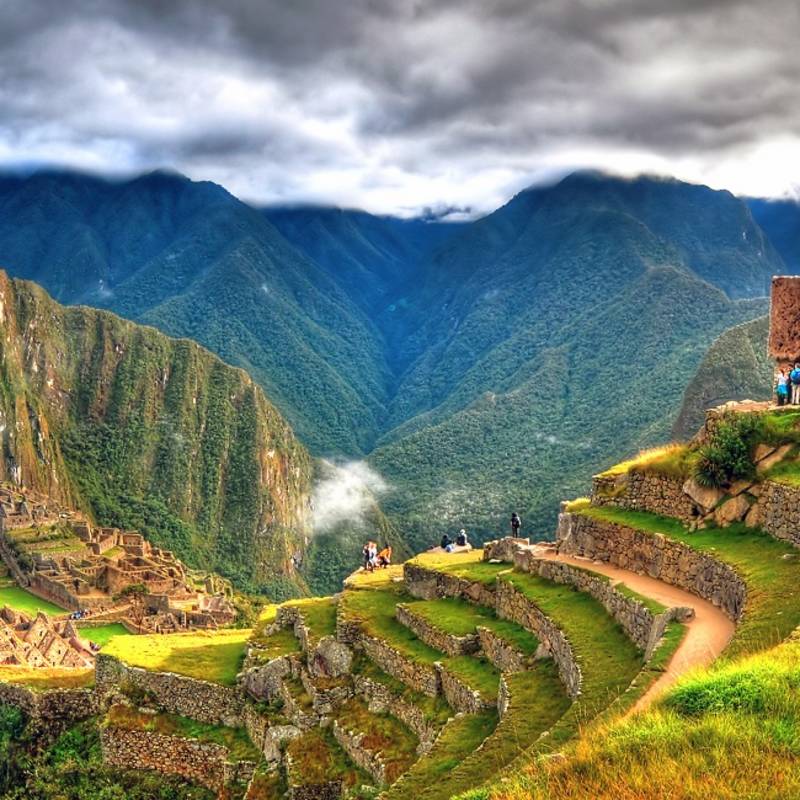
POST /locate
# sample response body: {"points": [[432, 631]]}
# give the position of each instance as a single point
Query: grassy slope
{"points": [[212, 656], [103, 634], [21, 600], [773, 592]]}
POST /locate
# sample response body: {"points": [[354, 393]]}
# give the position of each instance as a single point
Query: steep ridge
{"points": [[147, 432], [395, 338], [780, 220]]}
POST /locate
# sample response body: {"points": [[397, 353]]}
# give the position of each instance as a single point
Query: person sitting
{"points": [[445, 543], [461, 539], [385, 557]]}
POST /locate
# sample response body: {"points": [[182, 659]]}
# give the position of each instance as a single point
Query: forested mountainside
{"points": [[152, 433], [780, 220], [478, 366]]}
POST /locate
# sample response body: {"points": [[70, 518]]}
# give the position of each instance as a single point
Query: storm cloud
{"points": [[403, 105]]}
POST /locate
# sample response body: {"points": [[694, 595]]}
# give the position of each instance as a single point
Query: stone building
{"points": [[41, 642]]}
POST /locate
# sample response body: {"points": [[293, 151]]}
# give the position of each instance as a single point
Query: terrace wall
{"points": [[175, 694], [200, 762], [435, 637], [53, 710], [644, 491], [655, 555], [780, 511], [427, 584]]}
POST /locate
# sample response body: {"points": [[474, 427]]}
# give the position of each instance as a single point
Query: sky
{"points": [[404, 106]]}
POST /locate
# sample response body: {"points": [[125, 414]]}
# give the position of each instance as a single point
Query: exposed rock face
{"points": [[705, 496], [330, 659], [80, 384], [733, 510], [654, 555]]}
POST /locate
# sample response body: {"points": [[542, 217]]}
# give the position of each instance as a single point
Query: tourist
{"points": [[516, 524], [445, 543], [782, 387], [794, 377], [385, 557], [365, 554], [461, 539]]}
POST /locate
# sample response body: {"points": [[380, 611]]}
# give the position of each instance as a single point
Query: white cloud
{"points": [[345, 495]]}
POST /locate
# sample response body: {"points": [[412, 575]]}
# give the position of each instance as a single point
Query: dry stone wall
{"points": [[656, 555], [381, 699], [175, 694], [645, 491], [352, 742], [459, 695], [427, 584], [200, 762], [503, 654], [52, 711], [435, 637], [513, 605], [422, 677], [780, 512]]}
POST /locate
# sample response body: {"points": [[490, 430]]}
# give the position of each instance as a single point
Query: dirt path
{"points": [[707, 633]]}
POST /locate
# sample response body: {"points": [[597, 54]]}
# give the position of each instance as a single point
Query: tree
{"points": [[136, 595]]}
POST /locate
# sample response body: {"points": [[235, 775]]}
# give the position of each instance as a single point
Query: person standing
{"points": [[516, 524], [794, 378], [782, 387]]}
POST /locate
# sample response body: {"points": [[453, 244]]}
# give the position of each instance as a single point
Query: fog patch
{"points": [[345, 494]]}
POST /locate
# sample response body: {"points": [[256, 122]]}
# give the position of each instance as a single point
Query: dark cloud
{"points": [[404, 104]]}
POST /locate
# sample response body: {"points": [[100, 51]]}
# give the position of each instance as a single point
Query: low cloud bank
{"points": [[345, 495]]}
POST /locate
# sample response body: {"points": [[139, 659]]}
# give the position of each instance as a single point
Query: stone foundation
{"points": [[655, 555]]}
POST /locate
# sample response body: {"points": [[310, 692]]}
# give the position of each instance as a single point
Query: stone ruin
{"points": [[41, 642], [784, 319], [59, 556]]}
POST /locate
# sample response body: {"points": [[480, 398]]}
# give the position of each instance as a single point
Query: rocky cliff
{"points": [[145, 431]]}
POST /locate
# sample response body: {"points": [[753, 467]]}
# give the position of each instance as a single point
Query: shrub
{"points": [[728, 456]]}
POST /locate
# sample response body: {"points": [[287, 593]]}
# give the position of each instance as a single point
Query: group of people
{"points": [[787, 387], [461, 540], [81, 613], [374, 559]]}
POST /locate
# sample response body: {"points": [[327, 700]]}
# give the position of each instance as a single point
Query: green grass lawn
{"points": [[462, 565], [207, 655], [43, 678], [319, 615], [608, 659], [460, 618], [103, 634], [773, 583], [462, 736], [383, 734], [538, 701], [374, 609], [21, 600], [235, 739]]}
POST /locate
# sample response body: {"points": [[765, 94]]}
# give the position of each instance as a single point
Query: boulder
{"points": [[738, 487], [754, 516], [762, 451], [332, 659], [732, 510], [706, 498], [769, 461]]}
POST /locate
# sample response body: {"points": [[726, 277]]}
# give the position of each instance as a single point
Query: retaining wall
{"points": [[435, 637], [175, 694], [656, 555], [352, 744], [200, 762], [53, 710], [780, 512], [427, 584], [645, 491]]}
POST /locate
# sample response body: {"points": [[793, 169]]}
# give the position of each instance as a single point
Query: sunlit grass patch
{"points": [[668, 459], [42, 678], [207, 655], [21, 600], [103, 634]]}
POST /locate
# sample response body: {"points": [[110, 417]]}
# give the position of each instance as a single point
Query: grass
{"points": [[275, 645], [299, 694], [214, 656], [316, 758], [396, 743], [319, 615], [608, 659], [434, 709], [462, 736], [459, 618], [235, 740], [786, 472], [538, 701], [729, 732], [578, 504], [21, 600], [374, 610], [463, 565], [103, 634], [653, 605], [773, 583], [669, 460], [378, 577], [43, 678]]}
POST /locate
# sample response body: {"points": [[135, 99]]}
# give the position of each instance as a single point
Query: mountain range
{"points": [[479, 367]]}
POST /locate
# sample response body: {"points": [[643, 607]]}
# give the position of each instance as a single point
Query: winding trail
{"points": [[707, 634]]}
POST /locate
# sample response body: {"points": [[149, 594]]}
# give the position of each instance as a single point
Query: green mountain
{"points": [[475, 365], [143, 431], [780, 220]]}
